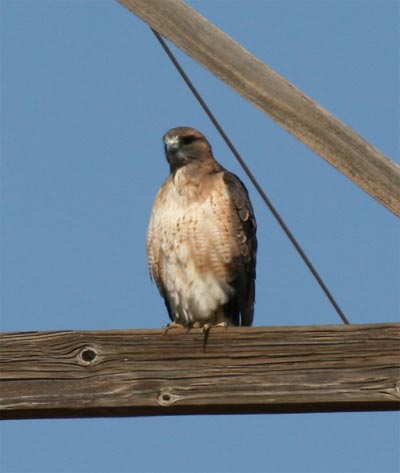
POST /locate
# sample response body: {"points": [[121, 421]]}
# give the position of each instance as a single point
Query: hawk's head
{"points": [[184, 145]]}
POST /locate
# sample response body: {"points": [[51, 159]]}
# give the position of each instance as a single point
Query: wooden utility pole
{"points": [[271, 93], [243, 370]]}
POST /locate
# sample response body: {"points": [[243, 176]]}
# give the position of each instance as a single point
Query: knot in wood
{"points": [[88, 355], [166, 397]]}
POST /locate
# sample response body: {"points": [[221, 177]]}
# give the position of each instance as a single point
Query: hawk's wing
{"points": [[241, 307]]}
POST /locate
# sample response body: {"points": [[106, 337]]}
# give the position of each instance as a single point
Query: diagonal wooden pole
{"points": [[271, 93]]}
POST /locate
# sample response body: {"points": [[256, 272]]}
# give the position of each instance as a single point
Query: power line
{"points": [[250, 175]]}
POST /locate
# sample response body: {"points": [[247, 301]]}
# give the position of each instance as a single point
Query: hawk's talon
{"points": [[172, 325], [223, 324]]}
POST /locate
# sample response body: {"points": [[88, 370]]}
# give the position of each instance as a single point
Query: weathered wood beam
{"points": [[243, 370], [271, 93]]}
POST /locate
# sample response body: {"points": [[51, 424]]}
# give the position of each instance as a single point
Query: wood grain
{"points": [[271, 93], [244, 370]]}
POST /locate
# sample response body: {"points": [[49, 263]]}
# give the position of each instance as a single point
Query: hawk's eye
{"points": [[186, 140]]}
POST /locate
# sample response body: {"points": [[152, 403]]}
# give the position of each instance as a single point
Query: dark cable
{"points": [[252, 179]]}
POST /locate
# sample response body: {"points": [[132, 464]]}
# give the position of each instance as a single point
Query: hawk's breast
{"points": [[191, 246]]}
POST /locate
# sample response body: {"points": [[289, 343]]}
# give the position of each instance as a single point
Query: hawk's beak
{"points": [[171, 142]]}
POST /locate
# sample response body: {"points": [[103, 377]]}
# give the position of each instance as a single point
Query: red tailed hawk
{"points": [[201, 242]]}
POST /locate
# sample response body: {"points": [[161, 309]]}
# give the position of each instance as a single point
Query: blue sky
{"points": [[86, 94]]}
